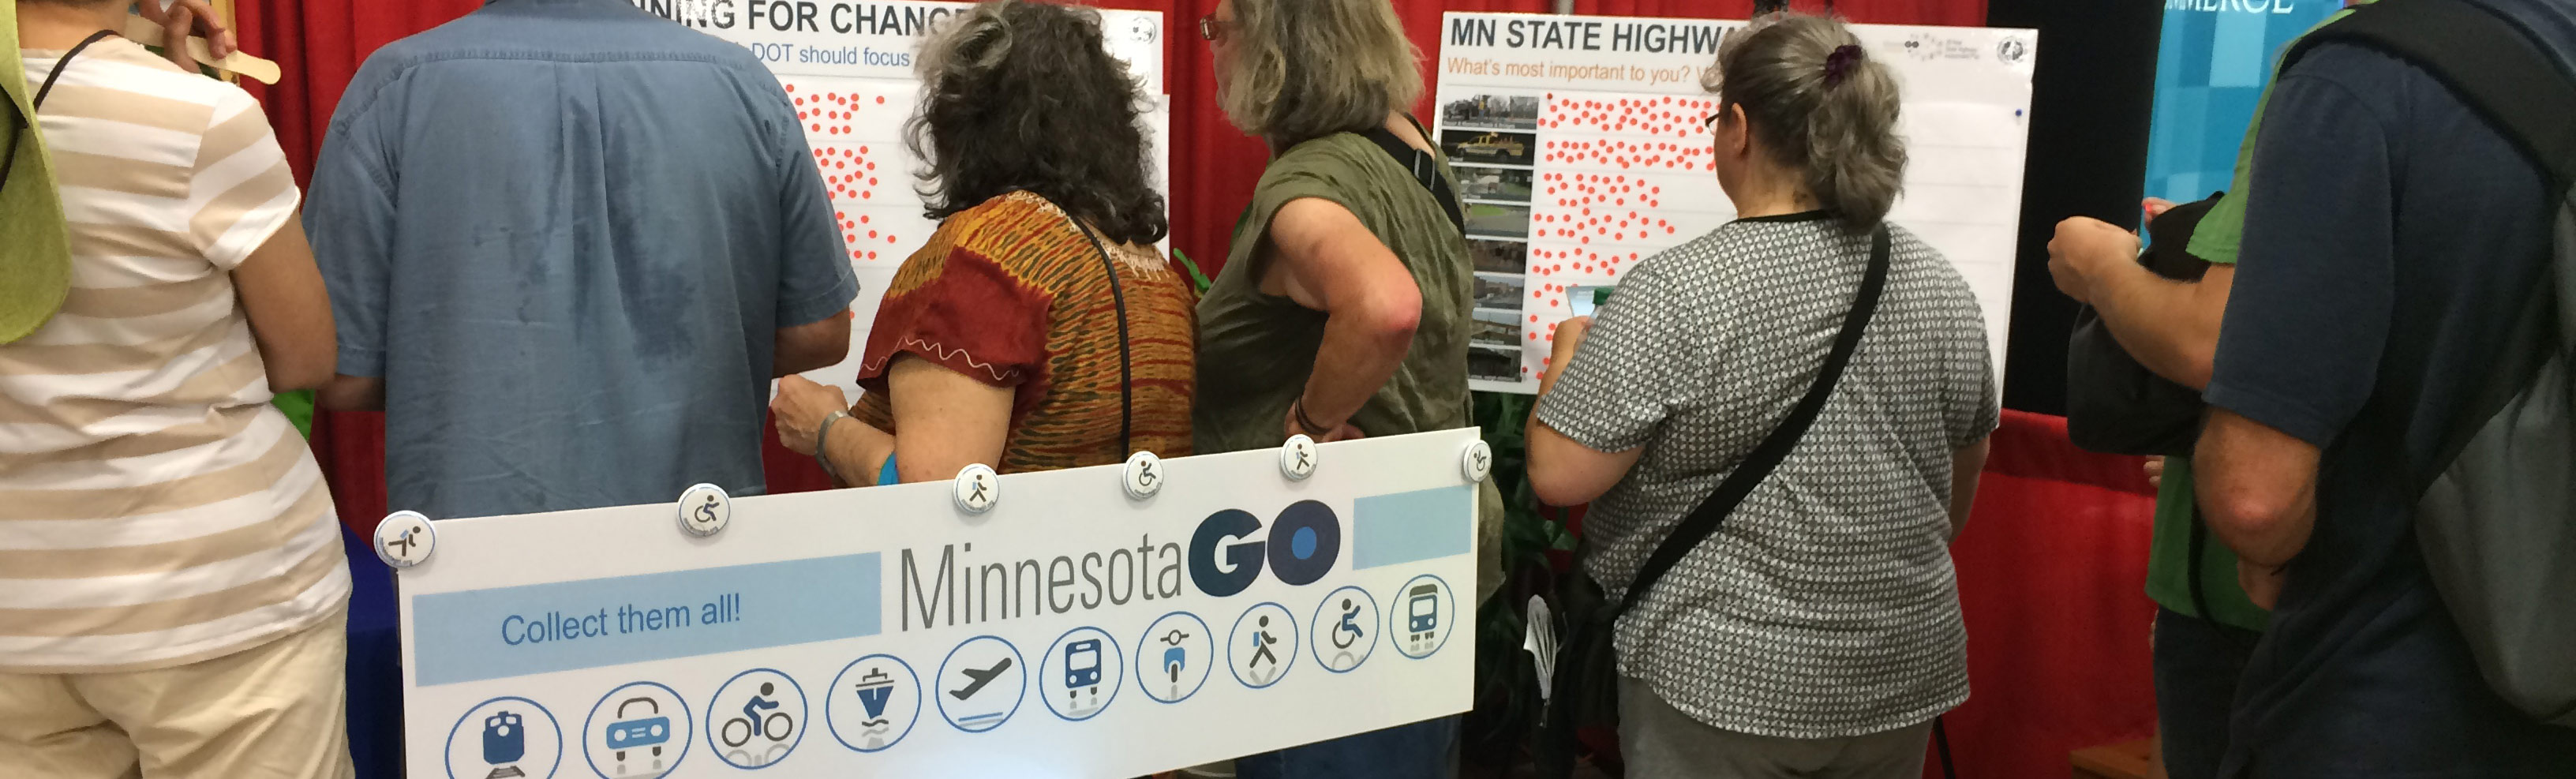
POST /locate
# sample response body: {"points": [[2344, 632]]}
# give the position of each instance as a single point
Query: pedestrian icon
{"points": [[873, 703], [981, 684], [757, 718], [637, 731], [1174, 656], [1424, 615], [1344, 629], [1262, 646], [504, 738], [1085, 673]]}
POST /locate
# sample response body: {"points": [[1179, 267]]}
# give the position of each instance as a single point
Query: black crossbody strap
{"points": [[1126, 361], [27, 123], [1424, 167], [2486, 61], [1703, 521]]}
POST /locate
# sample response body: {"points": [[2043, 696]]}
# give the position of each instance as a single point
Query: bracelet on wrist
{"points": [[1297, 409], [823, 453]]}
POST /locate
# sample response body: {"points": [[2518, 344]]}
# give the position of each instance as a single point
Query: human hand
{"points": [[799, 409], [2262, 583], [2154, 207], [184, 18], [2082, 245], [2156, 472], [1341, 432]]}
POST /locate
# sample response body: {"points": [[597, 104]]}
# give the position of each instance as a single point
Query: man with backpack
{"points": [[2395, 235]]}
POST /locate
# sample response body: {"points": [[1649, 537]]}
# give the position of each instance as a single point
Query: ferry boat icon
{"points": [[875, 689]]}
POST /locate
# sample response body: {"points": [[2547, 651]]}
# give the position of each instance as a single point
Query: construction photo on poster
{"points": [[1579, 148], [848, 67]]}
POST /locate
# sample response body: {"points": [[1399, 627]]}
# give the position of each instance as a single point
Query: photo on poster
{"points": [[1493, 256], [1493, 363], [1476, 182], [1496, 328], [1497, 220], [1492, 112], [1484, 147], [1499, 291]]}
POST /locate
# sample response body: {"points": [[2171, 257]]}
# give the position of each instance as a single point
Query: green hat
{"points": [[36, 254]]}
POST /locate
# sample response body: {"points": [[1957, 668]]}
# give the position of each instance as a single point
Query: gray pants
{"points": [[1660, 742]]}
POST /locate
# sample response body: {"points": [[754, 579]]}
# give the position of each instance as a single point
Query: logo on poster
{"points": [[1302, 545]]}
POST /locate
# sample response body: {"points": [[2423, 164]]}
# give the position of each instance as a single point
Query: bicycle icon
{"points": [[768, 726]]}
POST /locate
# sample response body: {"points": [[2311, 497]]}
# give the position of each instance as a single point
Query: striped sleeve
{"points": [[242, 191]]}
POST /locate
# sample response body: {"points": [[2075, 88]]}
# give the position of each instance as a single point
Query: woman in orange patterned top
{"points": [[1040, 328]]}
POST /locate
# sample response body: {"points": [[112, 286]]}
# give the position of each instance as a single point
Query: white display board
{"points": [[1069, 631], [1579, 145], [848, 65]]}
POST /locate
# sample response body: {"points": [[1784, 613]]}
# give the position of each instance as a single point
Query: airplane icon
{"points": [[981, 678]]}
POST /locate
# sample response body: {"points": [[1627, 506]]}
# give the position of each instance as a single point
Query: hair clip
{"points": [[1838, 65]]}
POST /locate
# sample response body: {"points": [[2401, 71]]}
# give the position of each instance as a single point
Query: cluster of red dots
{"points": [[1678, 117], [848, 171], [853, 229], [816, 108], [1625, 155], [1581, 260]]}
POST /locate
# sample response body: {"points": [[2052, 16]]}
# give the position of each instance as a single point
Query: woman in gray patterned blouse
{"points": [[1817, 631]]}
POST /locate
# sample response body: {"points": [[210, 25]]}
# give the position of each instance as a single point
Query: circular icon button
{"points": [[638, 731], [981, 684], [1477, 462], [756, 719], [1172, 658], [1143, 476], [1263, 645], [1297, 457], [976, 489], [504, 738], [1344, 630], [1081, 674], [705, 510], [1422, 614], [405, 539], [873, 703]]}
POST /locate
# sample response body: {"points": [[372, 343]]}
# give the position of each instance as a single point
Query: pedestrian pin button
{"points": [[976, 489], [1297, 458]]}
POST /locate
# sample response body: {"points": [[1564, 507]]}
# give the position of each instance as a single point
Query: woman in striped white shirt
{"points": [[172, 590]]}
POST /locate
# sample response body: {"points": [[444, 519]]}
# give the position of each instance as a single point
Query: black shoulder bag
{"points": [[2114, 404], [1585, 692], [1424, 167]]}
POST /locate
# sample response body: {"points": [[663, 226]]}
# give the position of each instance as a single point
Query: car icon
{"points": [[650, 731]]}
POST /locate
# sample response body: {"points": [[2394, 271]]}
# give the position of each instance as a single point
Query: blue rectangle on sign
{"points": [[1410, 526], [543, 628]]}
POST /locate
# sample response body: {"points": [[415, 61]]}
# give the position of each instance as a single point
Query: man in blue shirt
{"points": [[569, 244], [2388, 226]]}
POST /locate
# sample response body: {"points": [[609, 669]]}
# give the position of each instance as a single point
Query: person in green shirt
{"points": [[2211, 607]]}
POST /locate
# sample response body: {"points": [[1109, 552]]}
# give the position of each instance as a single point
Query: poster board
{"points": [[1579, 147], [1071, 630], [848, 67]]}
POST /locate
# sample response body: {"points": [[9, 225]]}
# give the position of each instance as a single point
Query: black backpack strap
{"points": [[2527, 96], [1703, 521], [1424, 167], [2490, 63]]}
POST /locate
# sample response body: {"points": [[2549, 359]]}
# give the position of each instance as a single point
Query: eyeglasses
{"points": [[1212, 28]]}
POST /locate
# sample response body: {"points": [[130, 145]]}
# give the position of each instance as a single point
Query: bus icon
{"points": [[1082, 663]]}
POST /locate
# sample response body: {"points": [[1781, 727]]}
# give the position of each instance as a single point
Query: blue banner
{"points": [[2211, 66]]}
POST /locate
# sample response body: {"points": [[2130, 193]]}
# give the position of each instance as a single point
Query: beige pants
{"points": [[1660, 742], [274, 711]]}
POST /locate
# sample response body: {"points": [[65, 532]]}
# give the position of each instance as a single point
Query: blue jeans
{"points": [[2197, 665], [1422, 750]]}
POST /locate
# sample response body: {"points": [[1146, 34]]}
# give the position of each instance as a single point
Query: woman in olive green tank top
{"points": [[1342, 310]]}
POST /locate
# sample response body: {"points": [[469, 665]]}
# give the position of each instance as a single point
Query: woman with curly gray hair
{"points": [[1816, 632], [1040, 328]]}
